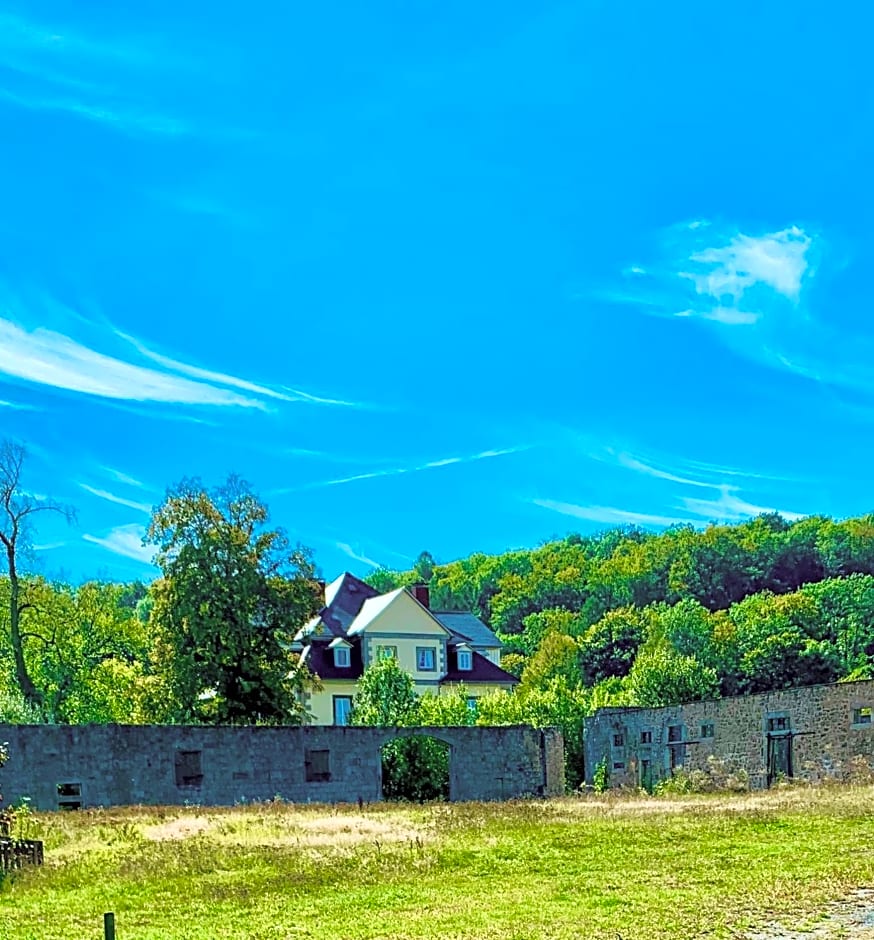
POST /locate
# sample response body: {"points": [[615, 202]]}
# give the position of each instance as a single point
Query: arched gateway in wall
{"points": [[58, 766]]}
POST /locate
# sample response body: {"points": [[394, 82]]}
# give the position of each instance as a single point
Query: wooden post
{"points": [[109, 926]]}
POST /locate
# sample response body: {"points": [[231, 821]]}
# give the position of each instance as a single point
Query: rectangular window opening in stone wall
{"points": [[619, 765], [676, 748], [189, 768], [317, 763], [646, 737], [69, 796], [862, 716], [618, 740], [708, 729], [778, 723]]}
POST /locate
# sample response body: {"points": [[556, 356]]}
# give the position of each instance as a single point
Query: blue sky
{"points": [[444, 276]]}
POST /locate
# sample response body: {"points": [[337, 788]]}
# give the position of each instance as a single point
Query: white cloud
{"points": [[777, 259], [753, 289], [49, 358], [49, 63], [222, 378], [630, 462], [122, 477], [127, 120], [125, 540], [608, 515], [398, 471], [357, 556], [17, 406], [731, 508], [730, 316], [732, 279], [120, 500]]}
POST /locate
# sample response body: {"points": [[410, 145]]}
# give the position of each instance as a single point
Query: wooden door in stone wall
{"points": [[779, 757]]}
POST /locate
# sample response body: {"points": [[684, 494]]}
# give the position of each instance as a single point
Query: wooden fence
{"points": [[15, 853]]}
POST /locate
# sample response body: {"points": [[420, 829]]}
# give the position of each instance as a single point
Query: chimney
{"points": [[320, 587], [422, 594]]}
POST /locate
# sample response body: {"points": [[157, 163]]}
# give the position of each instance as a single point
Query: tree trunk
{"points": [[25, 683]]}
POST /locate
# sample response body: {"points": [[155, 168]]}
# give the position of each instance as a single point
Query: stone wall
{"points": [[68, 766], [812, 733]]}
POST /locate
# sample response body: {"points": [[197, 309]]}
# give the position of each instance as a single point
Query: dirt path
{"points": [[850, 919]]}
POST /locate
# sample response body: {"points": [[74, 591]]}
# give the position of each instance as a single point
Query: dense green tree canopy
{"points": [[232, 595]]}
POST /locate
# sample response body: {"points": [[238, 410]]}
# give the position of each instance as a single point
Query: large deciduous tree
{"points": [[18, 511], [233, 593]]}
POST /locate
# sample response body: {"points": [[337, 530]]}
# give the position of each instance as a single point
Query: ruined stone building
{"points": [[813, 733], [77, 766]]}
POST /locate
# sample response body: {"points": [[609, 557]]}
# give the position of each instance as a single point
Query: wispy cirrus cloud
{"points": [[412, 468], [729, 507], [118, 500], [120, 477], [677, 507], [609, 515], [50, 358], [753, 290], [45, 357], [104, 80], [722, 276], [18, 406], [125, 540], [347, 549], [127, 120], [221, 378]]}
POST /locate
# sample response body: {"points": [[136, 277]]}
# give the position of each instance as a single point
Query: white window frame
{"points": [[465, 660], [342, 657], [425, 653], [386, 652]]}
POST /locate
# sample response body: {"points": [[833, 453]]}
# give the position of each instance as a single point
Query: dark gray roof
{"points": [[468, 626], [349, 596]]}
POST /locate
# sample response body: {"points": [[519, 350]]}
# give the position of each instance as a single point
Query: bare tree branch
{"points": [[18, 506]]}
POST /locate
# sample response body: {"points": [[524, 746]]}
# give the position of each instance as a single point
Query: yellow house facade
{"points": [[358, 626]]}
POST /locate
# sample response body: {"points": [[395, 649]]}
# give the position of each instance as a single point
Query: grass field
{"points": [[639, 867]]}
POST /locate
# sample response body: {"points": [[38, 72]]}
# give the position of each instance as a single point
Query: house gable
{"points": [[397, 614]]}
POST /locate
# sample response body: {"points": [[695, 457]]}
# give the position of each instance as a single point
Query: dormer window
{"points": [[465, 660], [342, 656]]}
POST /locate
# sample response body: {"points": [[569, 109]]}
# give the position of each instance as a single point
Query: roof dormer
{"points": [[342, 653]]}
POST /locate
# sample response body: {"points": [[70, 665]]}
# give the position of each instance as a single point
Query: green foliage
{"points": [[16, 710], [415, 767], [448, 709], [608, 647], [385, 696], [555, 704], [557, 657], [601, 776], [232, 596], [661, 676]]}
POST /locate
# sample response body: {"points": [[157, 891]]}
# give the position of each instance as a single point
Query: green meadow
{"points": [[595, 867]]}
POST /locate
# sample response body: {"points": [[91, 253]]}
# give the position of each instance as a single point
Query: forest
{"points": [[621, 617]]}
